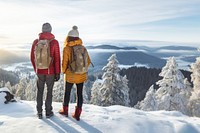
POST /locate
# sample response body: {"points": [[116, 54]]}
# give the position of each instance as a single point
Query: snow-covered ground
{"points": [[20, 117]]}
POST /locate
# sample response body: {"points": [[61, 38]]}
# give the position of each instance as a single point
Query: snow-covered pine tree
{"points": [[1, 84], [186, 94], [187, 91], [125, 90], [112, 89], [168, 95], [194, 103], [149, 103], [21, 89], [8, 85], [31, 90], [85, 96], [87, 91], [95, 92]]}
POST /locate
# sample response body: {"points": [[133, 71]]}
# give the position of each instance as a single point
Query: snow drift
{"points": [[21, 117]]}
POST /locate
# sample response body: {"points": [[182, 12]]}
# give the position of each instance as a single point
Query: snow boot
{"points": [[50, 114], [39, 115], [77, 113], [64, 111]]}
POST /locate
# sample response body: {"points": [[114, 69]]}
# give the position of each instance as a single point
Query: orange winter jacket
{"points": [[69, 76]]}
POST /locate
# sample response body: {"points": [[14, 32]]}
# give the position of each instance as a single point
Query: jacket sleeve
{"points": [[65, 60], [56, 57], [32, 54]]}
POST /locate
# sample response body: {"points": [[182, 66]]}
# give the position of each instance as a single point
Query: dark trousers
{"points": [[49, 80], [79, 91]]}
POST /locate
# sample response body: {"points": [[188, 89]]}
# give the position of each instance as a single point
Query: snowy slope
{"points": [[21, 117]]}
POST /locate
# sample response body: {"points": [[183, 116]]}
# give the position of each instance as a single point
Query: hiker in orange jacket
{"points": [[48, 75], [72, 78]]}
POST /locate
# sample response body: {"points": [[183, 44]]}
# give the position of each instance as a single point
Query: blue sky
{"points": [[158, 20]]}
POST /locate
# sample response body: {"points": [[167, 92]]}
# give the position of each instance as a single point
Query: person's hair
{"points": [[69, 38]]}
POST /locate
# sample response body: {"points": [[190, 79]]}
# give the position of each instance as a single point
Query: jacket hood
{"points": [[73, 43], [46, 35]]}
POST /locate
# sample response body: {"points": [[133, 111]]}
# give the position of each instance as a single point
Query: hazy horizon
{"points": [[185, 54], [120, 43]]}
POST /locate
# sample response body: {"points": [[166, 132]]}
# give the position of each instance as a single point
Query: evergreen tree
{"points": [[125, 89], [8, 85], [149, 103], [85, 96], [87, 91], [185, 95], [187, 91], [194, 103], [170, 87], [1, 84], [95, 93], [21, 89], [31, 90], [114, 89]]}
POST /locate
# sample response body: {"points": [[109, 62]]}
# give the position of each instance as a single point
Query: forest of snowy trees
{"points": [[7, 76], [148, 89], [175, 92]]}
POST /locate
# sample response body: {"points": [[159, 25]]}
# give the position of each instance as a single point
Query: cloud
{"points": [[96, 19]]}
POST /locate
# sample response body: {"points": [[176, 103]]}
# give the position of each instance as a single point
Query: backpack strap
{"points": [[36, 69], [72, 53], [72, 56], [49, 41], [91, 63], [90, 58]]}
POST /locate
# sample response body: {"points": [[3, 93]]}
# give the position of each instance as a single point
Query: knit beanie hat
{"points": [[74, 32], [46, 27]]}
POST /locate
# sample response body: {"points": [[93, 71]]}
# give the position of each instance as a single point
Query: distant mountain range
{"points": [[154, 49], [125, 57], [177, 48], [110, 47], [186, 53], [154, 57]]}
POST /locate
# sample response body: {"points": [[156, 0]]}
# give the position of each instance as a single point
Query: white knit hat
{"points": [[74, 32]]}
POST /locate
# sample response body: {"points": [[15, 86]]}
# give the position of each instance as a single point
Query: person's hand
{"points": [[57, 77]]}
